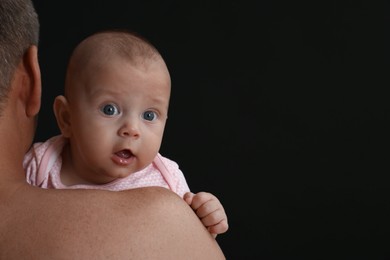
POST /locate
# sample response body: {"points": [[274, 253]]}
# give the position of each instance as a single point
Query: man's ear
{"points": [[62, 113], [33, 83]]}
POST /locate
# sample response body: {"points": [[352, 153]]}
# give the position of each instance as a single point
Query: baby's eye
{"points": [[110, 110], [149, 115]]}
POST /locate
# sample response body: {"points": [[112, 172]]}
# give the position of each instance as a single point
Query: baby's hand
{"points": [[210, 211]]}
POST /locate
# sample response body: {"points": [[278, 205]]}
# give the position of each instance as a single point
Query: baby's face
{"points": [[118, 118]]}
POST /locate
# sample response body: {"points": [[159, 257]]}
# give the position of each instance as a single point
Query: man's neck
{"points": [[11, 153]]}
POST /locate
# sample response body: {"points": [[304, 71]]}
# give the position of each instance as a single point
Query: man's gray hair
{"points": [[19, 29]]}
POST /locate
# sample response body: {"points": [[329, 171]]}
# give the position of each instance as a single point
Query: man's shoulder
{"points": [[146, 223]]}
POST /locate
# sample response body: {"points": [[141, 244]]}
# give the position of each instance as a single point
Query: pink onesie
{"points": [[43, 164]]}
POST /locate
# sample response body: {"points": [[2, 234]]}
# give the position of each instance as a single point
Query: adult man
{"points": [[151, 223]]}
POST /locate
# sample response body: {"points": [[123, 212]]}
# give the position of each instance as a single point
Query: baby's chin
{"points": [[120, 172]]}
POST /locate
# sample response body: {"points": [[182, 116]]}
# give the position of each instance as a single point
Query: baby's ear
{"points": [[62, 113]]}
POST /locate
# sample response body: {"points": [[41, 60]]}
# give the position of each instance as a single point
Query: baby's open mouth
{"points": [[124, 154]]}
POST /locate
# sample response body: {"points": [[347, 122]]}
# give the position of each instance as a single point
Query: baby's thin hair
{"points": [[100, 46], [125, 43], [129, 42]]}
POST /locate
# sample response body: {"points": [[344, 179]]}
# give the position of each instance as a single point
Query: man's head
{"points": [[19, 29]]}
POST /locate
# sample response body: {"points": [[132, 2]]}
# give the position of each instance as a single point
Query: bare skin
{"points": [[148, 223]]}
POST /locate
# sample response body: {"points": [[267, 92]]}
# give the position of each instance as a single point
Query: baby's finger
{"points": [[214, 218], [220, 228], [188, 197], [208, 208], [201, 198]]}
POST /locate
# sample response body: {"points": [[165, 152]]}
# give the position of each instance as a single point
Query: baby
{"points": [[112, 118]]}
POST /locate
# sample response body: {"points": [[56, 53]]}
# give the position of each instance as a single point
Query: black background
{"points": [[278, 107]]}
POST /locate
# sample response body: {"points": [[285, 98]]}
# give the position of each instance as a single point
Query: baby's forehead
{"points": [[118, 71]]}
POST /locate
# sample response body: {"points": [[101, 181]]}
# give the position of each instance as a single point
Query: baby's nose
{"points": [[128, 130]]}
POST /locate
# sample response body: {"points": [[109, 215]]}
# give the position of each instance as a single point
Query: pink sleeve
{"points": [[30, 165], [172, 174], [39, 160]]}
